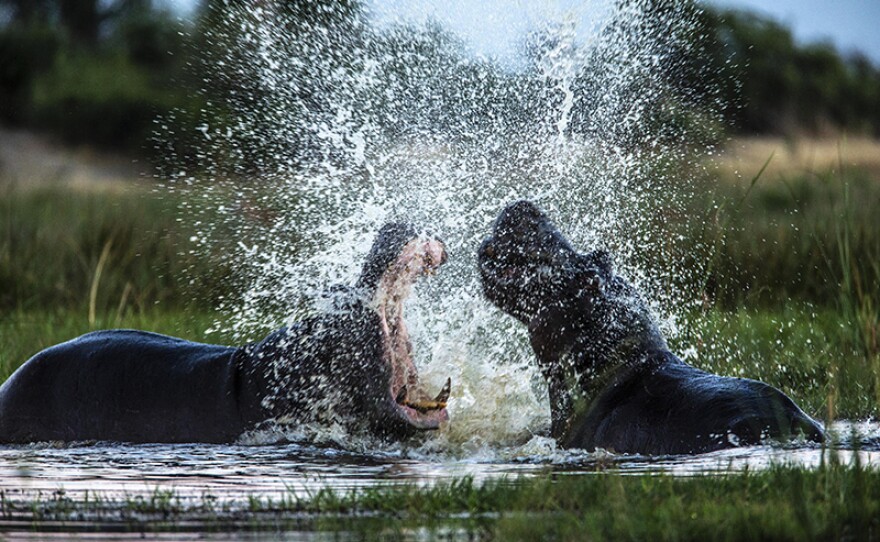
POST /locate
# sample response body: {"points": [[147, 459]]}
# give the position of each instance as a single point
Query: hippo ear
{"points": [[601, 259], [339, 298]]}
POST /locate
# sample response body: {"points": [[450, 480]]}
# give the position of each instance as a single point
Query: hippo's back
{"points": [[674, 408], [123, 385]]}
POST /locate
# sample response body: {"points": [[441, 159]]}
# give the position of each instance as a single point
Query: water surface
{"points": [[233, 473]]}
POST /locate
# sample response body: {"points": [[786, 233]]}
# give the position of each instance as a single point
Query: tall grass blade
{"points": [[96, 281], [755, 179]]}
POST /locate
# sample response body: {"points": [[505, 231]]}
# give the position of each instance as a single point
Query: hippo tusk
{"points": [[443, 396], [438, 403], [424, 406]]}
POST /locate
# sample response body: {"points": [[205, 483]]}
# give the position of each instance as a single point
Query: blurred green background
{"points": [[101, 72], [98, 96]]}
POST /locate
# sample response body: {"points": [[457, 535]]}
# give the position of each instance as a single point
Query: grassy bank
{"points": [[765, 240], [833, 502], [791, 235], [809, 236], [59, 244]]}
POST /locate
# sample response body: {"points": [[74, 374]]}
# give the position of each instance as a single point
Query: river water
{"points": [[233, 473]]}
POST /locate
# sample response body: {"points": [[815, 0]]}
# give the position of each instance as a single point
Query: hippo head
{"points": [[569, 301], [399, 255], [526, 264]]}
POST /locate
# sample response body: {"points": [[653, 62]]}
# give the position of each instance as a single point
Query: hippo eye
{"points": [[593, 283], [490, 251]]}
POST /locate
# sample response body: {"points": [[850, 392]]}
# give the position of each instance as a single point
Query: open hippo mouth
{"points": [[418, 257]]}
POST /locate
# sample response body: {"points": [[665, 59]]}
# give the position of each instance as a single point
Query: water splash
{"points": [[343, 119]]}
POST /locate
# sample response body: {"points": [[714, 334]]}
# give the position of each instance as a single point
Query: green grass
{"points": [[118, 250], [811, 237], [832, 502]]}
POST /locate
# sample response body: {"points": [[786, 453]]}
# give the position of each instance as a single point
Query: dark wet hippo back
{"points": [[125, 385], [670, 407], [612, 381]]}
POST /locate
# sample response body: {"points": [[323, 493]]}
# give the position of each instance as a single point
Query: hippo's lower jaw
{"points": [[413, 405]]}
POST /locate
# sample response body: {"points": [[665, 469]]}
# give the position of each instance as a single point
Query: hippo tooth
{"points": [[443, 396], [401, 395], [424, 406]]}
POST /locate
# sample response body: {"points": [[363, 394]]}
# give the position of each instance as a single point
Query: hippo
{"points": [[613, 382], [351, 363]]}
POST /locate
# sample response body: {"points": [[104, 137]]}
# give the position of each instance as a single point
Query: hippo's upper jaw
{"points": [[527, 264], [420, 255], [352, 362]]}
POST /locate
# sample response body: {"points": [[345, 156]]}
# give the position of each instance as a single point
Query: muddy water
{"points": [[233, 473]]}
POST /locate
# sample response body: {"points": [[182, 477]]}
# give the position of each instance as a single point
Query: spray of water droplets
{"points": [[338, 123]]}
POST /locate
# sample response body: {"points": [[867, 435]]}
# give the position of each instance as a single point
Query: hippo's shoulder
{"points": [[133, 336], [129, 343]]}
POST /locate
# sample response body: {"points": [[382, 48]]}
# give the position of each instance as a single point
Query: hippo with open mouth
{"points": [[613, 383], [351, 364]]}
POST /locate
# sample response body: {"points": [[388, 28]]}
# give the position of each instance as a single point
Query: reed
{"points": [[65, 247]]}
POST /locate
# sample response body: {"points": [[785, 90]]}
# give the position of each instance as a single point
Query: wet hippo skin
{"points": [[613, 383], [350, 364]]}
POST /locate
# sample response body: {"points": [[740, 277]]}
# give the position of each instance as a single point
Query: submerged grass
{"points": [[832, 502]]}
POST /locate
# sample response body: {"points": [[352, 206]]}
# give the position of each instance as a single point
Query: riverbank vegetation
{"points": [[832, 502]]}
